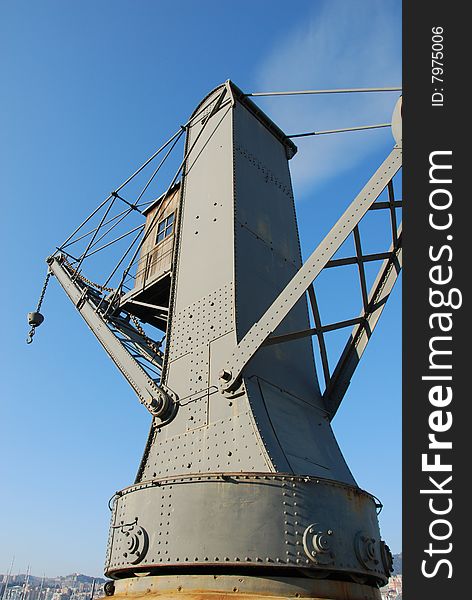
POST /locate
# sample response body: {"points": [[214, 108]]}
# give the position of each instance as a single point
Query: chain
{"points": [[102, 288], [32, 331], [154, 347], [43, 291]]}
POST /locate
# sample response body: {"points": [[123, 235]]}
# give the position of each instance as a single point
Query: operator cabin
{"points": [[149, 299]]}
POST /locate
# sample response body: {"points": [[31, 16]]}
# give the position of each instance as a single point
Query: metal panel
{"points": [[205, 247], [267, 251], [305, 435], [247, 519]]}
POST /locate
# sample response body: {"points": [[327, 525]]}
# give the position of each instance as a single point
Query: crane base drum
{"points": [[242, 488]]}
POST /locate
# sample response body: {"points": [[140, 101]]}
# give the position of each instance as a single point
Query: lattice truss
{"points": [[373, 298]]}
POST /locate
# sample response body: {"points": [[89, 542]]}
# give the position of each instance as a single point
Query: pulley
{"points": [[35, 319]]}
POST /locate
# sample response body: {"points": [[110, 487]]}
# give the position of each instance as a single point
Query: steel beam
{"points": [[362, 331], [283, 304], [154, 398]]}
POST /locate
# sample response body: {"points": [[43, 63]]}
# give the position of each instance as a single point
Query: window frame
{"points": [[165, 228]]}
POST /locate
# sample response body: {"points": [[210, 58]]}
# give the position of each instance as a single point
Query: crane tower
{"points": [[242, 488]]}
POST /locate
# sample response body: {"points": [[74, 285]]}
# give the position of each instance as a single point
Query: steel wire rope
{"points": [[122, 217], [84, 254], [84, 235], [117, 239], [342, 130], [152, 224], [125, 213], [332, 91], [110, 196], [163, 206], [158, 168], [181, 129]]}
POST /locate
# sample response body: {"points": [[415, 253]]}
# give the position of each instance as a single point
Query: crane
{"points": [[241, 477]]}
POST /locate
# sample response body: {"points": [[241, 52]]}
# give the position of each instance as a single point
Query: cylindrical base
{"points": [[264, 522], [232, 587]]}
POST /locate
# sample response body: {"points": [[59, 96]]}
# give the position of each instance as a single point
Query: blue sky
{"points": [[90, 89]]}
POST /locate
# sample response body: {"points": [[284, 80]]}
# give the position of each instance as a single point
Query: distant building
{"points": [[393, 589]]}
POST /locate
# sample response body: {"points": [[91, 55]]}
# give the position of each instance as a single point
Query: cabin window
{"points": [[165, 228]]}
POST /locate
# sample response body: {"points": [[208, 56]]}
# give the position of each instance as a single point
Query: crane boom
{"points": [[124, 344]]}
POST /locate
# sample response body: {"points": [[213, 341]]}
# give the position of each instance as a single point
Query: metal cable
{"points": [[327, 131], [335, 91], [151, 158], [153, 221]]}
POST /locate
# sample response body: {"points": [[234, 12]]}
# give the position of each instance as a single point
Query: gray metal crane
{"points": [[242, 487]]}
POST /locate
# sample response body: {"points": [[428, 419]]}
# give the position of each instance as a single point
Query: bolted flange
{"points": [[318, 544]]}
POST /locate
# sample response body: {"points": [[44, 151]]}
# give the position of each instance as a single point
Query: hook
{"points": [[29, 339]]}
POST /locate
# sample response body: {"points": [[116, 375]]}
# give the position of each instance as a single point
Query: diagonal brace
{"points": [[231, 372], [155, 398], [362, 331]]}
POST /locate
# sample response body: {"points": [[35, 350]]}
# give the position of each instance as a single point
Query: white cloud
{"points": [[342, 44]]}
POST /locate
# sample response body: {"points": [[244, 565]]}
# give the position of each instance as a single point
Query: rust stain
{"points": [[344, 592]]}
